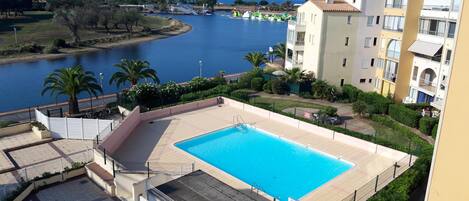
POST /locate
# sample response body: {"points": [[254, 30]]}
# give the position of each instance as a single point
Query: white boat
{"points": [[247, 14]]}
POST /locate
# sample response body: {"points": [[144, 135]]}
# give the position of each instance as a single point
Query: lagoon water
{"points": [[219, 41]]}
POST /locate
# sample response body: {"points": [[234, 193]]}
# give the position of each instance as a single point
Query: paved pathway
{"points": [[34, 160], [80, 189]]}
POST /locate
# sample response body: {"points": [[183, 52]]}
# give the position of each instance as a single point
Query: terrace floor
{"points": [[154, 141]]}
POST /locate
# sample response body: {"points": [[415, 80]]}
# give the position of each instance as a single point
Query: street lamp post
{"points": [[101, 78], [271, 56], [200, 68], [16, 38]]}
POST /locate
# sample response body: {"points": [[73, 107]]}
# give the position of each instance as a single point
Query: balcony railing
{"points": [[429, 86], [295, 23], [301, 43], [390, 76], [394, 5]]}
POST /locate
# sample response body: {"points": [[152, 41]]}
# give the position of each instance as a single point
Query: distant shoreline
{"points": [[67, 52]]}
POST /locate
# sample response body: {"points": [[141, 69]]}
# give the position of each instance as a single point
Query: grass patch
{"points": [[389, 134], [4, 124], [38, 27], [280, 104]]}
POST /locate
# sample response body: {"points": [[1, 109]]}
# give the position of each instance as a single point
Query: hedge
{"points": [[279, 87], [377, 104], [404, 115], [435, 131], [242, 94], [257, 83], [350, 92], [426, 124]]}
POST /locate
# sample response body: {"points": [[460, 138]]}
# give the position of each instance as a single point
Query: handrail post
{"points": [[376, 184], [113, 169], [395, 168], [104, 151], [148, 169], [355, 195]]}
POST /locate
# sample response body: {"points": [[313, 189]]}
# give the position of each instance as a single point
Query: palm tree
{"points": [[295, 75], [256, 59], [71, 82], [280, 51], [132, 71]]}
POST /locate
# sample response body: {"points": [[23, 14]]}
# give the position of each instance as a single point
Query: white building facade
{"points": [[337, 40], [433, 51]]}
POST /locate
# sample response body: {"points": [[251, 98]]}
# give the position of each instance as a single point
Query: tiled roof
{"points": [[337, 6]]}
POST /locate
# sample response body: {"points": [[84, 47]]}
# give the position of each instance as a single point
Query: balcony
{"points": [[389, 76], [297, 26], [430, 87]]}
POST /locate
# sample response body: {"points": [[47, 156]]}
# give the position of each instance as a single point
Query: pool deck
{"points": [[154, 140]]}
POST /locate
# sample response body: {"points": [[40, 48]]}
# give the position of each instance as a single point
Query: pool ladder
{"points": [[238, 120]]}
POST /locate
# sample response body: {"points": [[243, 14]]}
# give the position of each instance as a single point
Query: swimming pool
{"points": [[279, 167]]}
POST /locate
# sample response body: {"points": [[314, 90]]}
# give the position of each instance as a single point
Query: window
{"points": [[451, 29], [290, 35], [370, 21], [346, 41], [448, 57], [395, 3], [390, 71], [394, 23], [380, 63], [289, 54], [377, 82], [362, 80], [344, 62], [432, 27], [394, 49], [367, 42], [349, 19], [415, 73], [370, 81], [377, 19], [375, 41], [372, 62], [342, 82]]}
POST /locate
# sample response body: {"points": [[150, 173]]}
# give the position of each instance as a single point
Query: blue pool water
{"points": [[278, 167]]}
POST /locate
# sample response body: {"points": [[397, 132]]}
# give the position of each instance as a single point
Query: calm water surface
{"points": [[219, 41]]}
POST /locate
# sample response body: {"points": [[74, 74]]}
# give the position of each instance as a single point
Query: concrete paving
{"points": [[81, 189], [154, 141]]}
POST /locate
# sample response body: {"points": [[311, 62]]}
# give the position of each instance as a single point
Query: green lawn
{"points": [[280, 104], [38, 27], [389, 134]]}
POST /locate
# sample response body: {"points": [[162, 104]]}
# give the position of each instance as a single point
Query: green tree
{"points": [[256, 59], [295, 75], [132, 71], [319, 88], [71, 82], [70, 18], [280, 51], [129, 18], [359, 107]]}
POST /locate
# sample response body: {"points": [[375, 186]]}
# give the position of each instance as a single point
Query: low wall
{"points": [[323, 132], [11, 130], [178, 109], [117, 136], [49, 181]]}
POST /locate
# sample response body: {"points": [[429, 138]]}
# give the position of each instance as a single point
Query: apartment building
{"points": [[448, 179], [432, 54], [337, 40]]}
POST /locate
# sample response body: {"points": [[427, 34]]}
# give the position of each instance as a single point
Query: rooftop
{"points": [[336, 6], [200, 186]]}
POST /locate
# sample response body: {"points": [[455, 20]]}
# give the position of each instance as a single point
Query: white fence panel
{"points": [[91, 129], [75, 128], [58, 127], [42, 118], [103, 124]]}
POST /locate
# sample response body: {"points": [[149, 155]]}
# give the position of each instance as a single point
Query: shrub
{"points": [[426, 124], [257, 83], [377, 104], [417, 106], [30, 48], [360, 108], [434, 131], [199, 84], [319, 88], [279, 86], [190, 97], [217, 81], [404, 115], [330, 111], [59, 43], [350, 92], [6, 123], [51, 50], [39, 125], [267, 87], [242, 94], [244, 81]]}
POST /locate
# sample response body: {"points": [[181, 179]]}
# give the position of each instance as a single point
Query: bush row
{"points": [[426, 124], [404, 115], [377, 104]]}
